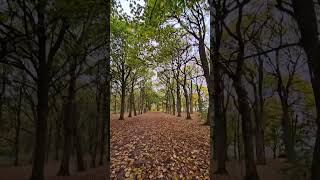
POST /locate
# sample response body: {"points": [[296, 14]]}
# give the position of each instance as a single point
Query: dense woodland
{"points": [[248, 69]]}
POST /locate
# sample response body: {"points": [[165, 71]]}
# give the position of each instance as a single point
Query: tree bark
{"points": [[43, 97], [106, 97], [199, 98], [3, 90], [17, 129], [178, 97], [68, 121], [173, 102], [77, 139], [186, 94], [244, 108], [260, 142], [191, 99], [131, 99], [122, 106], [303, 10]]}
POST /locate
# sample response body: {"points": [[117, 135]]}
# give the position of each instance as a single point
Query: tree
{"points": [[310, 43]]}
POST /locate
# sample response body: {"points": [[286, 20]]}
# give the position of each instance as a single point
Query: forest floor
{"points": [[160, 146], [51, 169], [152, 146]]}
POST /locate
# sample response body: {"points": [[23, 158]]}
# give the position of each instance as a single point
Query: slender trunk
{"points": [[238, 139], [199, 99], [178, 98], [95, 132], [123, 94], [68, 121], [105, 139], [106, 97], [287, 130], [259, 134], [260, 142], [173, 102], [191, 100], [77, 139], [244, 109], [57, 140], [3, 89], [186, 94], [115, 104], [49, 142], [131, 102], [134, 105], [235, 145], [17, 129]]}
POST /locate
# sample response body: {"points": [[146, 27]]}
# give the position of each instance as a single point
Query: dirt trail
{"points": [[161, 146]]}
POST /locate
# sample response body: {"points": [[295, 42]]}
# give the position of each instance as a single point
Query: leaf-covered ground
{"points": [[161, 146]]}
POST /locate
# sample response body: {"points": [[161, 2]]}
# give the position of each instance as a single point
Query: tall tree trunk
{"points": [[49, 141], [43, 97], [57, 136], [244, 109], [199, 98], [287, 130], [310, 42], [134, 107], [122, 106], [106, 98], [173, 102], [17, 129], [3, 89], [191, 99], [186, 97], [260, 142], [115, 104], [68, 120], [216, 115], [220, 124], [96, 137], [178, 98], [259, 134], [131, 99], [77, 139]]}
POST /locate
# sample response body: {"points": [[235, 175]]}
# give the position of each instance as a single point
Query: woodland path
{"points": [[160, 146]]}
